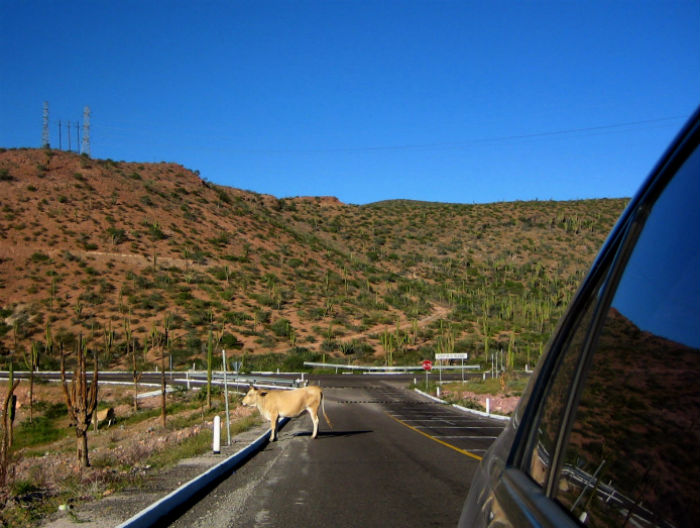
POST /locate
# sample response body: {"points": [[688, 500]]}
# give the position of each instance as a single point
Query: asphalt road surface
{"points": [[393, 458]]}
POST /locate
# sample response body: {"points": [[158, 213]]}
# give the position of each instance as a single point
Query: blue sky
{"points": [[468, 102]]}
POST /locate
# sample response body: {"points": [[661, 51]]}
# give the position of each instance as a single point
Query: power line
{"points": [[121, 131]]}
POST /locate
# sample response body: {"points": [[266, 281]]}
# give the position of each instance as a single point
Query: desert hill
{"points": [[94, 247]]}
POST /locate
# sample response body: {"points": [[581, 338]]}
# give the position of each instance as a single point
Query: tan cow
{"points": [[287, 403], [105, 414]]}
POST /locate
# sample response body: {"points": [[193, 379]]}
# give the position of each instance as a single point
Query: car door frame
{"points": [[524, 501]]}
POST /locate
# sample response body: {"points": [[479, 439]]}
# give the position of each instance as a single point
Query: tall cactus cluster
{"points": [[81, 398]]}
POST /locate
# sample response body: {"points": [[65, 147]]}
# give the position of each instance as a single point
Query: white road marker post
{"points": [[216, 444]]}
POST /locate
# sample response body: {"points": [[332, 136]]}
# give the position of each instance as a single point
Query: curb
{"points": [[464, 409], [151, 515]]}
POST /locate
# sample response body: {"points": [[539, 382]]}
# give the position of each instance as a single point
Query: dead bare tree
{"points": [[81, 398], [6, 433]]}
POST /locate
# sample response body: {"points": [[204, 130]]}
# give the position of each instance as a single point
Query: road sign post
{"points": [[450, 356], [427, 366]]}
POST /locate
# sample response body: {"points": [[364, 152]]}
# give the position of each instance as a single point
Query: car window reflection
{"points": [[632, 457], [556, 398]]}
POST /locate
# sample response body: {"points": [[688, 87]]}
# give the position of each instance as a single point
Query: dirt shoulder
{"points": [[116, 508]]}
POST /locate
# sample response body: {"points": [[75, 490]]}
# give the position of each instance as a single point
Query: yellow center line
{"points": [[463, 451]]}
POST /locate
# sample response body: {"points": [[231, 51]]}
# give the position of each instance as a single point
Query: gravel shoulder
{"points": [[114, 509]]}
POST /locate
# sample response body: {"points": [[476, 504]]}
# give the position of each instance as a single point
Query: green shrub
{"points": [[41, 430], [281, 327], [39, 257]]}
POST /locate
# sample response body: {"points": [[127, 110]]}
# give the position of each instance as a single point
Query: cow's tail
{"points": [[323, 408]]}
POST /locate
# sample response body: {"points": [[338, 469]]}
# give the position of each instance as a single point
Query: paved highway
{"points": [[392, 459]]}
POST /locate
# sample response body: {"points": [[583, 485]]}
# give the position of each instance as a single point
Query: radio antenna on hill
{"points": [[45, 126], [69, 149], [85, 147]]}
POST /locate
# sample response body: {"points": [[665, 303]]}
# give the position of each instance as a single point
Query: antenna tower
{"points": [[69, 148], [85, 147], [45, 126]]}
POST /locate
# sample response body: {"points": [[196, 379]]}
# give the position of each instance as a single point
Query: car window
{"points": [[556, 398], [632, 456]]}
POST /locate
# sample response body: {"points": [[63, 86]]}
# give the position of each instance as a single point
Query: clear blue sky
{"points": [[446, 101]]}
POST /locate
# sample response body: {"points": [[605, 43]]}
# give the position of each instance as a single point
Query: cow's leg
{"points": [[273, 427], [314, 418]]}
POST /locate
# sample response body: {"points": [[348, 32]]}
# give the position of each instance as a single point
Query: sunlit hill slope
{"points": [[96, 247]]}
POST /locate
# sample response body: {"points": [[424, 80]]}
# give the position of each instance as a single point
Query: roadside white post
{"points": [[187, 377], [488, 405], [216, 447], [228, 419], [438, 391]]}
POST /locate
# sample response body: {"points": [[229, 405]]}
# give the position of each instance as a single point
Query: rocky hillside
{"points": [[103, 248]]}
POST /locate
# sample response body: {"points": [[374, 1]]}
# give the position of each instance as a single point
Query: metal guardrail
{"points": [[156, 512], [195, 377], [386, 369], [198, 377]]}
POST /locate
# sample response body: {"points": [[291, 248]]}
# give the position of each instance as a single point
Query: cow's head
{"points": [[251, 399]]}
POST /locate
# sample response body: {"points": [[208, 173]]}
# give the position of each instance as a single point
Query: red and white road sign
{"points": [[427, 364]]}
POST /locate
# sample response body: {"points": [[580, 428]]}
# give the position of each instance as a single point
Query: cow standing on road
{"points": [[275, 403]]}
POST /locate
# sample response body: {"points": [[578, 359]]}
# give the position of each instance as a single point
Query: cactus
{"points": [[210, 360], [135, 373], [164, 346], [108, 337], [81, 398], [31, 360], [6, 411]]}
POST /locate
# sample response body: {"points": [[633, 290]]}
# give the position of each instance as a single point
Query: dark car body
{"points": [[607, 432]]}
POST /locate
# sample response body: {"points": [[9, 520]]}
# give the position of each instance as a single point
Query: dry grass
{"points": [[44, 475]]}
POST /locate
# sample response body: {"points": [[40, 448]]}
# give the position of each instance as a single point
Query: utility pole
{"points": [[60, 136], [45, 127], [85, 148], [69, 149]]}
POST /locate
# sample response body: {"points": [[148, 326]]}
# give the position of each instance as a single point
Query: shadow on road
{"points": [[330, 434]]}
